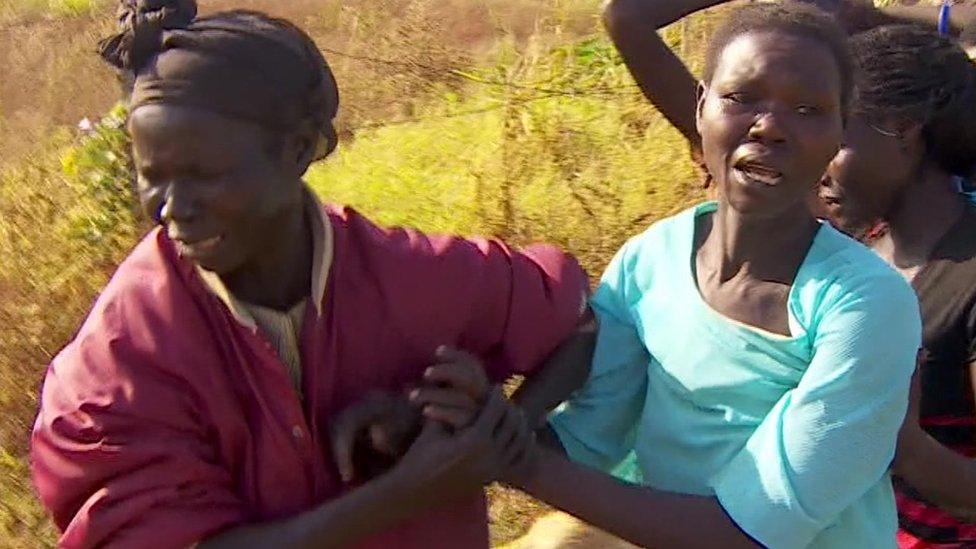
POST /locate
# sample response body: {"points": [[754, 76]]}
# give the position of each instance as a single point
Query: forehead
{"points": [[777, 57], [180, 132]]}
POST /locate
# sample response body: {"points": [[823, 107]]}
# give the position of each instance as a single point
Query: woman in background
{"points": [[909, 147]]}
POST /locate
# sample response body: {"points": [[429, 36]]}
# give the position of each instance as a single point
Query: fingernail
{"points": [[428, 372], [441, 349], [415, 394]]}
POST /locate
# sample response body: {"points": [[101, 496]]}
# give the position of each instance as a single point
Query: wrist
{"points": [[525, 474], [397, 485]]}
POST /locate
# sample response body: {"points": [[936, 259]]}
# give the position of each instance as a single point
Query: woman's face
{"points": [[865, 178], [770, 121], [214, 182]]}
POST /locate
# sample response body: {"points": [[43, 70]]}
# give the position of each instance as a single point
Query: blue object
{"points": [[966, 188], [944, 13]]}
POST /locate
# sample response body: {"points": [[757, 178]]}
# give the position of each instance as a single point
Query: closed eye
{"points": [[739, 98]]}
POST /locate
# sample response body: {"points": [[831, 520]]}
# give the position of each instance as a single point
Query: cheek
{"points": [[865, 164], [721, 133], [151, 199], [862, 180], [248, 199], [843, 165]]}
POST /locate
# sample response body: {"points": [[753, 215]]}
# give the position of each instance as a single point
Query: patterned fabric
{"points": [[947, 297]]}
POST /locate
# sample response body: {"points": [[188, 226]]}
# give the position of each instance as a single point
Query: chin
{"points": [[757, 205], [220, 264]]}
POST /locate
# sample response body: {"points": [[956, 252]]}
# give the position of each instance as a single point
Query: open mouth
{"points": [[201, 247], [828, 193], [757, 172]]}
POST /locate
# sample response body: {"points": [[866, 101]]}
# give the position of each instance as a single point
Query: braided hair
{"points": [[914, 74]]}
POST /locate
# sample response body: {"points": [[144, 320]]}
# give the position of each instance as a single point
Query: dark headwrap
{"points": [[241, 64]]}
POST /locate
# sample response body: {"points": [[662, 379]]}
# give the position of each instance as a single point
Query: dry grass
{"points": [[583, 172]]}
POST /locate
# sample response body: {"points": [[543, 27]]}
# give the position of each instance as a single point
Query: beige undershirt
{"points": [[283, 329]]}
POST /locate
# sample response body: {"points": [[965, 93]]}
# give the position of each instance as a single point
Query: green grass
{"points": [[584, 171], [535, 144]]}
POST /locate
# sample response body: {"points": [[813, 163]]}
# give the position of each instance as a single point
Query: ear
{"points": [[300, 150], [909, 135], [700, 94], [907, 129]]}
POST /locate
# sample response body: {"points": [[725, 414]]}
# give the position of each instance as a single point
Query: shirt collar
{"points": [[322, 252]]}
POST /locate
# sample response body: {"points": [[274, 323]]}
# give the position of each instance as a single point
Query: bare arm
{"points": [[661, 75], [376, 506], [564, 371], [928, 15], [441, 466], [643, 516], [939, 474]]}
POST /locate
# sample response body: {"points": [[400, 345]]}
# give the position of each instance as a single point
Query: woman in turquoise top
{"points": [[757, 362]]}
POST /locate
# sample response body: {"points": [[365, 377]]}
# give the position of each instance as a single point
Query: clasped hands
{"points": [[447, 438]]}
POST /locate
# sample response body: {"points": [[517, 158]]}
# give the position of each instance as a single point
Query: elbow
{"points": [[612, 15], [620, 15], [907, 448]]}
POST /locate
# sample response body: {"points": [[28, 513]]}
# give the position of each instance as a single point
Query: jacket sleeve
{"points": [[119, 453]]}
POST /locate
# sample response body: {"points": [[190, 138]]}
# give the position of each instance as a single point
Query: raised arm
{"points": [[661, 75], [961, 16]]}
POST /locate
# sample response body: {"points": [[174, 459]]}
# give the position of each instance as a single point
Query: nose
{"points": [[180, 203], [767, 128]]}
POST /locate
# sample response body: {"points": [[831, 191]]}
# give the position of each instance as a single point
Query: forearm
{"points": [[662, 76], [372, 508], [657, 13], [564, 371], [929, 16], [941, 475], [646, 517]]}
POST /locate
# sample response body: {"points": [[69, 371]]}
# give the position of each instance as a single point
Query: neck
{"points": [[282, 275], [769, 248], [923, 214]]}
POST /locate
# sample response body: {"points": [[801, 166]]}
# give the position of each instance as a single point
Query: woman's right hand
{"points": [[442, 466]]}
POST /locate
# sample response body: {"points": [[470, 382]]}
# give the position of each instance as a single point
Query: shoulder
{"points": [[655, 255], [359, 235], [664, 238], [842, 275], [408, 248], [146, 307]]}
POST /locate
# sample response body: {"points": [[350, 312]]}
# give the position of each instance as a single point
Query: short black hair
{"points": [[915, 74], [795, 18]]}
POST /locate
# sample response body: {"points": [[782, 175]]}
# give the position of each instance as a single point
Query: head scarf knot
{"points": [[242, 64]]}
